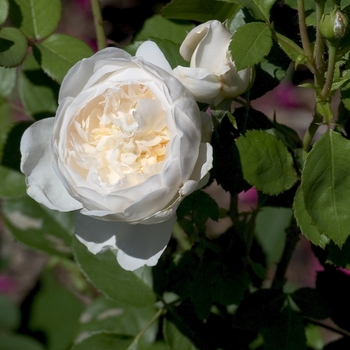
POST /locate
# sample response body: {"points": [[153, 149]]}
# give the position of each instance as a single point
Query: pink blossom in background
{"points": [[287, 96], [83, 4], [248, 200], [7, 284]]}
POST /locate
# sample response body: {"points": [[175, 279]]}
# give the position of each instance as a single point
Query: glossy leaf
{"points": [[162, 28], [37, 19], [111, 316], [309, 230], [55, 311], [58, 53], [106, 274], [4, 9], [38, 93], [260, 9], [326, 186], [266, 162], [175, 339], [250, 43], [199, 10], [38, 227], [13, 47]]}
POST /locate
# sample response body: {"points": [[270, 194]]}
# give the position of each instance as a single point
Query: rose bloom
{"points": [[125, 147], [212, 75]]}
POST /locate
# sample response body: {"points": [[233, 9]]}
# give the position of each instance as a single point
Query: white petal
{"points": [[42, 182], [203, 84], [150, 52], [137, 245], [192, 40], [211, 52], [204, 164], [81, 72]]}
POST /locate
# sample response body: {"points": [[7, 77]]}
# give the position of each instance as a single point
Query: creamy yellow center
{"points": [[119, 133]]}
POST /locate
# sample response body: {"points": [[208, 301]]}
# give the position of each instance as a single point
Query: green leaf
{"points": [[13, 47], [326, 186], [175, 339], [199, 10], [260, 9], [107, 341], [271, 223], [39, 227], [162, 28], [17, 341], [266, 162], [105, 273], [287, 332], [250, 43], [114, 317], [345, 95], [37, 19], [303, 219], [58, 53], [4, 10], [12, 183], [55, 311], [6, 123], [292, 50], [311, 303], [38, 93], [10, 316], [8, 78]]}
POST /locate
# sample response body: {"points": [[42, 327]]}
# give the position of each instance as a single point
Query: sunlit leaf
{"points": [[13, 47], [266, 162], [58, 53], [106, 274], [309, 230], [35, 18], [250, 43], [326, 186]]}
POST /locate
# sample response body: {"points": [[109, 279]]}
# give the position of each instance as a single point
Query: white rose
{"points": [[212, 76], [124, 148]]}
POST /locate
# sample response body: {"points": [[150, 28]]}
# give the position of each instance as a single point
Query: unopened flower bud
{"points": [[334, 25]]}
